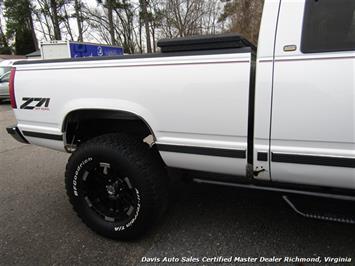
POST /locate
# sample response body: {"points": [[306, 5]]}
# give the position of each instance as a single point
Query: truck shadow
{"points": [[253, 223]]}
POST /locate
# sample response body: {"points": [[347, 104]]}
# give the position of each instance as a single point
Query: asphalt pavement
{"points": [[39, 227]]}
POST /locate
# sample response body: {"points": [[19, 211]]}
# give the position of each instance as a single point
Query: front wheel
{"points": [[116, 185]]}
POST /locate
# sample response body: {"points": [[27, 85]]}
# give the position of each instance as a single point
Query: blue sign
{"points": [[90, 50]]}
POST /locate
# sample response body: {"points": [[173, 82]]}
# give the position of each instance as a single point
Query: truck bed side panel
{"points": [[199, 102]]}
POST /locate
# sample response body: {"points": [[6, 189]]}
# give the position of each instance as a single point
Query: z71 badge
{"points": [[35, 103]]}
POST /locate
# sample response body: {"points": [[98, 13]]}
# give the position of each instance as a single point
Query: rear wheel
{"points": [[116, 185]]}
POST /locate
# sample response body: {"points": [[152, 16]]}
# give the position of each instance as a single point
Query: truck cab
{"points": [[305, 132]]}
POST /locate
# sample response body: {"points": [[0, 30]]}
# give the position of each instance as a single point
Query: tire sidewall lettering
{"points": [[77, 174], [131, 222]]}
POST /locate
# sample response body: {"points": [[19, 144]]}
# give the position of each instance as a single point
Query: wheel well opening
{"points": [[82, 125]]}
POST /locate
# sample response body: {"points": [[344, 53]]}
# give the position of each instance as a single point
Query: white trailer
{"points": [[71, 49]]}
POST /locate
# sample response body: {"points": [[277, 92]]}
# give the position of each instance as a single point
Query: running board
{"points": [[318, 216], [277, 189], [325, 196]]}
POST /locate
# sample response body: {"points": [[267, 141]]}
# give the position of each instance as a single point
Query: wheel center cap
{"points": [[111, 190]]}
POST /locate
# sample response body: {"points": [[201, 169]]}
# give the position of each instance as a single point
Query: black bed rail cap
{"points": [[204, 42]]}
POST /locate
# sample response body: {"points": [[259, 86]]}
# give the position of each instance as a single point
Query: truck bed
{"points": [[173, 92]]}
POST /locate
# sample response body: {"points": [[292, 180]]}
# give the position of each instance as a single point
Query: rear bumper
{"points": [[16, 134]]}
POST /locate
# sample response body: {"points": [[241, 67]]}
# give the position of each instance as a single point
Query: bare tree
{"points": [[189, 17], [134, 24], [210, 23], [156, 17], [66, 21], [51, 15], [79, 19], [3, 38], [145, 18], [41, 14], [244, 17], [109, 5], [98, 24], [55, 19], [125, 24]]}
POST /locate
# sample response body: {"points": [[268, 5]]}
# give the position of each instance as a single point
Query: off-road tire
{"points": [[146, 188]]}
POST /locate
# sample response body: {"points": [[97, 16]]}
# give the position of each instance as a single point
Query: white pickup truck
{"points": [[280, 117]]}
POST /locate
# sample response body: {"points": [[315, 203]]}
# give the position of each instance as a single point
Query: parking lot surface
{"points": [[39, 227]]}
